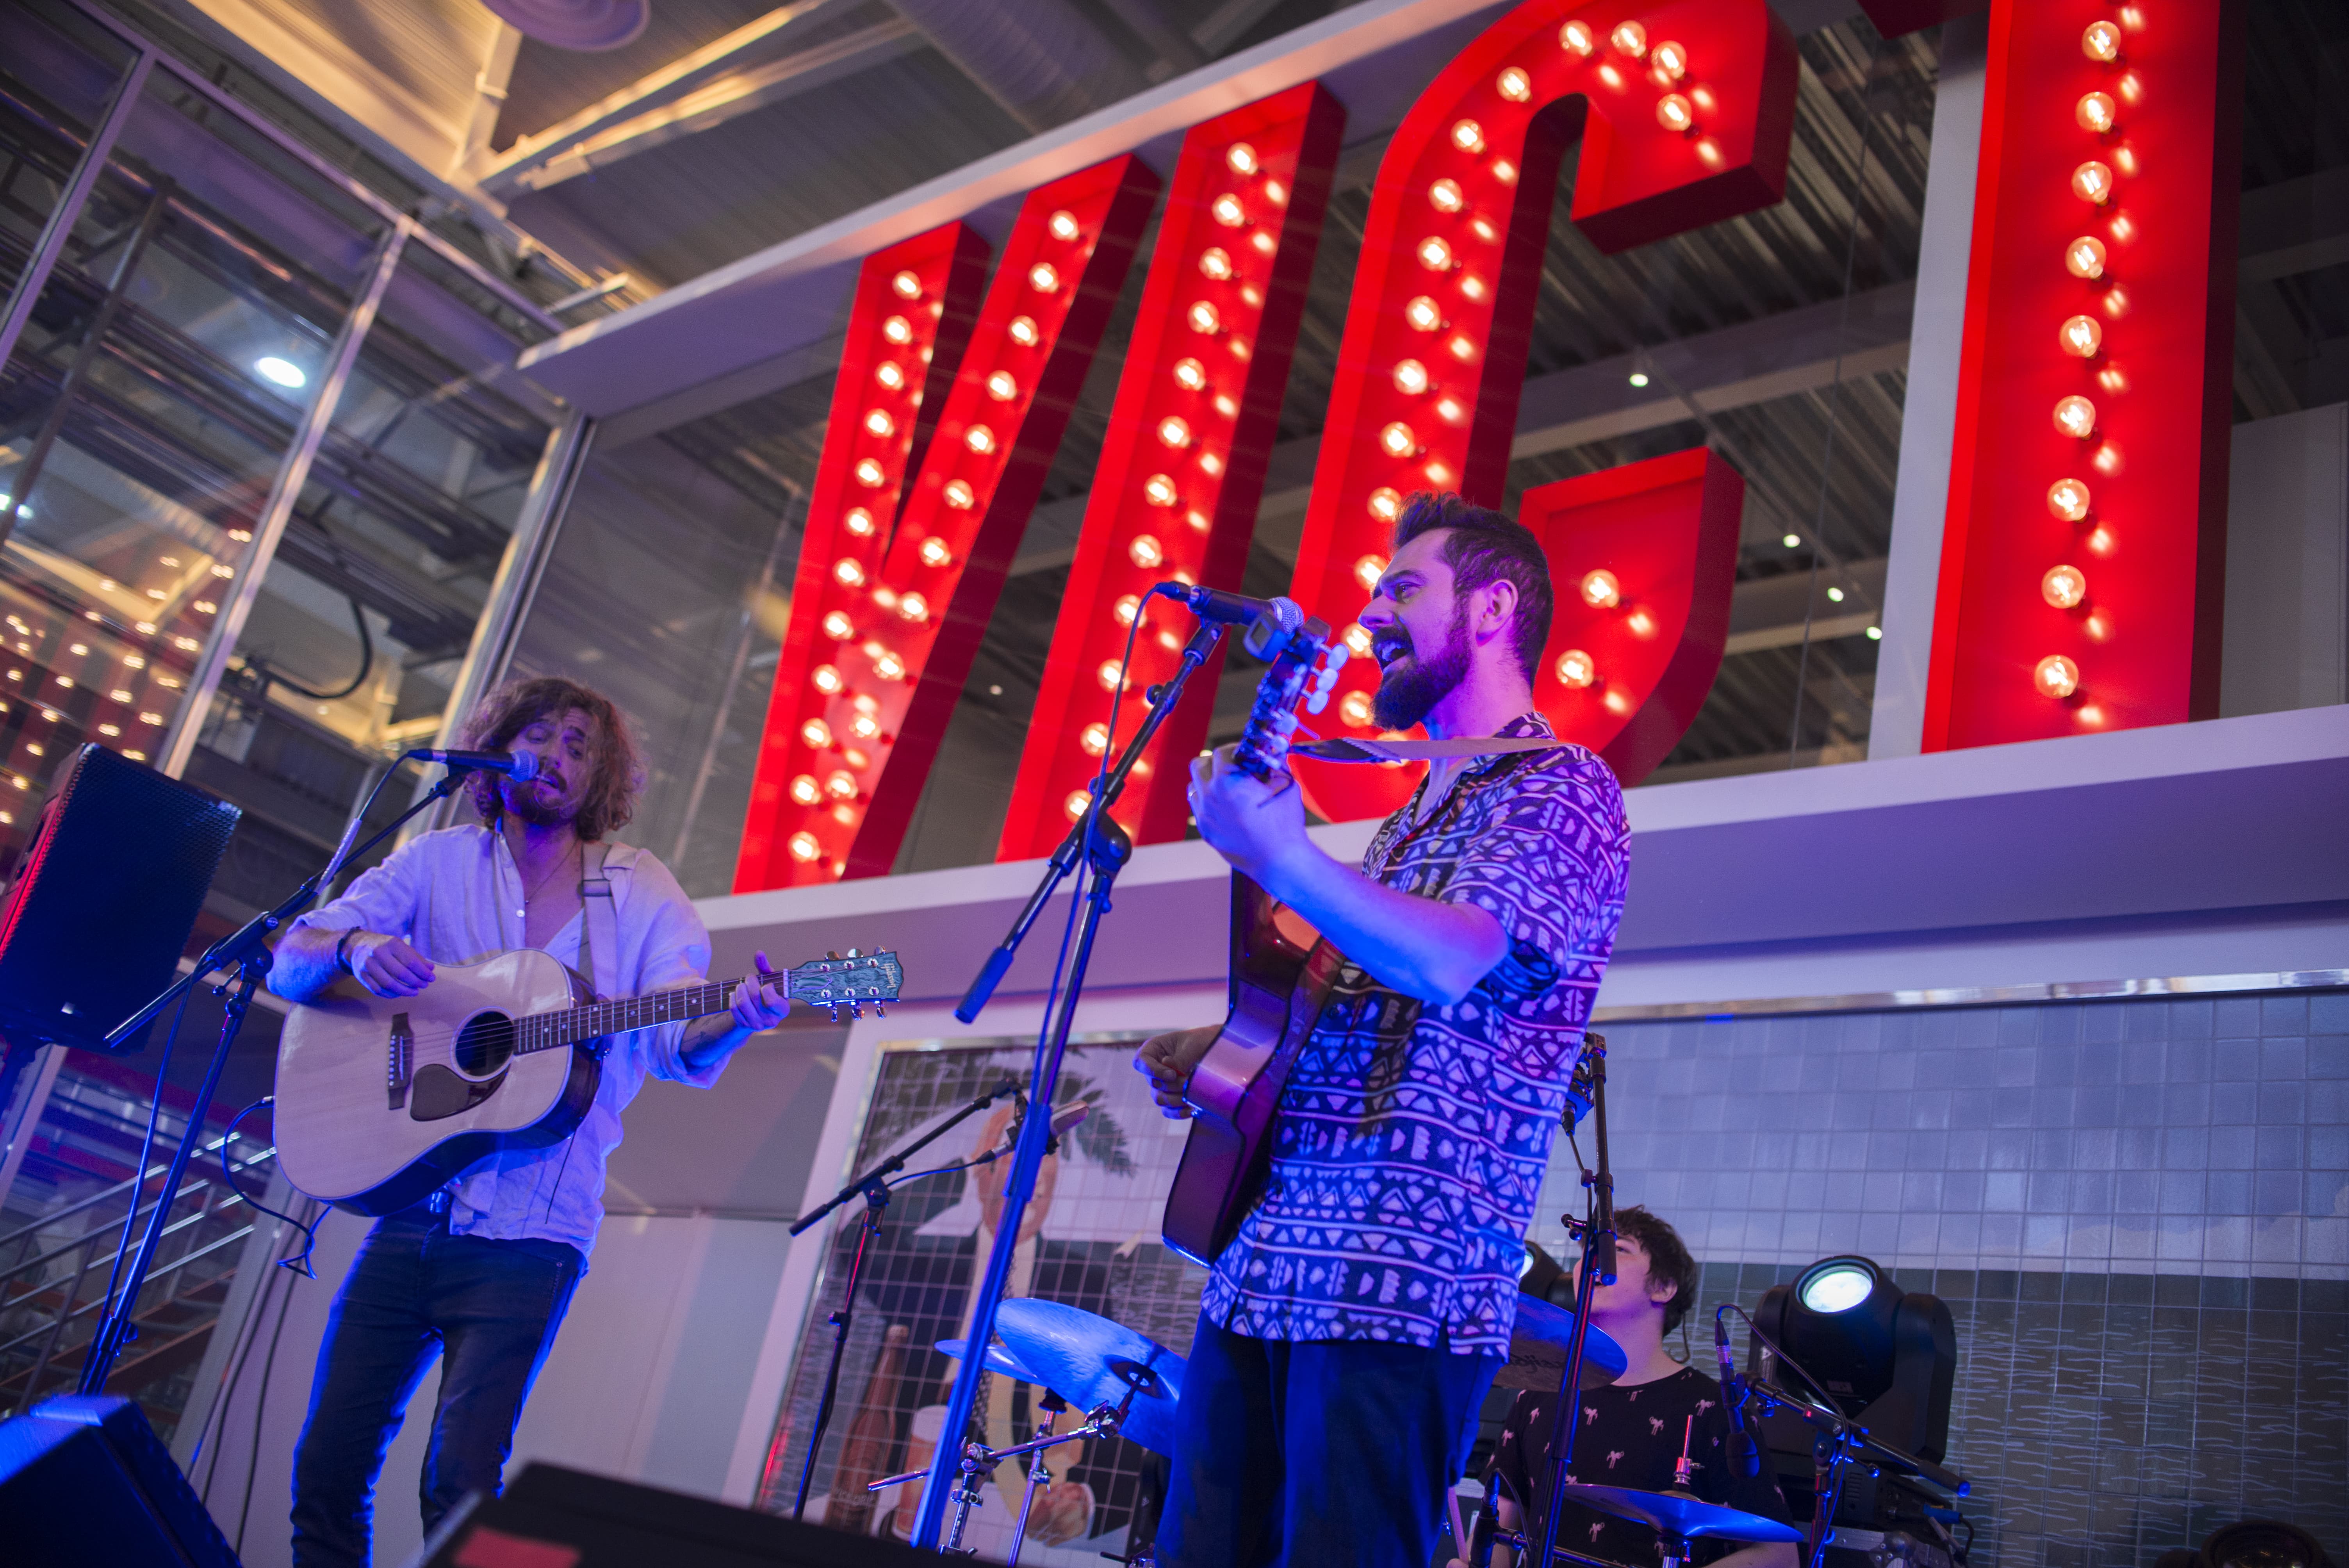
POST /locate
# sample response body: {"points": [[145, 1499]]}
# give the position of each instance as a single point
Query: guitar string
{"points": [[617, 1009]]}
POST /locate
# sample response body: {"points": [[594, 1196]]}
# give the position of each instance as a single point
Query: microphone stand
{"points": [[1597, 1267], [247, 951], [875, 1185], [1105, 847]]}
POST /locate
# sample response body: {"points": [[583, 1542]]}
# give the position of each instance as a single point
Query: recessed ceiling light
{"points": [[284, 372]]}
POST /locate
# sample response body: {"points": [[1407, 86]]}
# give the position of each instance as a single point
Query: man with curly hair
{"points": [[481, 1272]]}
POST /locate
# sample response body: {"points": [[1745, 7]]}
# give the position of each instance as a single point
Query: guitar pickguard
{"points": [[439, 1093]]}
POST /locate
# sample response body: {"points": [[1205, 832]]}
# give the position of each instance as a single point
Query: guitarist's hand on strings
{"points": [[759, 1002], [387, 965], [1167, 1060], [1253, 824]]}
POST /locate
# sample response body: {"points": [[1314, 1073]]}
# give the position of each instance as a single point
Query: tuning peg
{"points": [[1338, 654], [851, 953], [879, 1011], [832, 956]]}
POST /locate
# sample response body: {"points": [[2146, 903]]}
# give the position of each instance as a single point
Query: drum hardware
{"points": [[1596, 1231], [1677, 1518]]}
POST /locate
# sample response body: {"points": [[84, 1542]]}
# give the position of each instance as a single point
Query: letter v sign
{"points": [[856, 720]]}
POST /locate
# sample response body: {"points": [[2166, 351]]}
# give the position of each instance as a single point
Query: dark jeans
{"points": [[1334, 1452], [490, 1307]]}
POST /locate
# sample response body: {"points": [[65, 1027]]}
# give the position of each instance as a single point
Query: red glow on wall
{"points": [[909, 319], [900, 639], [1643, 558], [1685, 112], [2083, 557], [1175, 492]]}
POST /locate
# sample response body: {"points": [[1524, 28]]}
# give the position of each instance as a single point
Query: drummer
{"points": [[1634, 1429]]}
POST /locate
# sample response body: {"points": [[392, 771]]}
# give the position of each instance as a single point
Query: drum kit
{"points": [[1127, 1385]]}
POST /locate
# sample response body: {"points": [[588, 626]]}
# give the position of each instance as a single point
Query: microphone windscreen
{"points": [[525, 766]]}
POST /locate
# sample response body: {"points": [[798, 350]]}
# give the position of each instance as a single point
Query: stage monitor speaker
{"points": [[84, 1479], [104, 897], [556, 1518]]}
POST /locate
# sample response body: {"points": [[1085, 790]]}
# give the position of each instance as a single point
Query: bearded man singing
{"points": [[1348, 1333], [481, 1270]]}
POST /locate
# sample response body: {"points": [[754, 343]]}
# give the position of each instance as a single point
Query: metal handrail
{"points": [[15, 1270], [215, 1147], [96, 1304]]}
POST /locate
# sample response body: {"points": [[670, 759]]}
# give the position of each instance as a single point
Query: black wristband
{"points": [[343, 952]]}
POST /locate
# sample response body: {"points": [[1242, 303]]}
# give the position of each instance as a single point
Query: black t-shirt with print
{"points": [[1629, 1438]]}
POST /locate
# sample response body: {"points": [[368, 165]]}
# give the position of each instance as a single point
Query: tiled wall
{"points": [[2137, 1210]]}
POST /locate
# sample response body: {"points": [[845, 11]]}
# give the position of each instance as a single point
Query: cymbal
{"points": [[1088, 1360], [999, 1359], [1539, 1344], [1677, 1513]]}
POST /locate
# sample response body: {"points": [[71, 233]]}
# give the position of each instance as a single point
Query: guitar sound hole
{"points": [[485, 1043]]}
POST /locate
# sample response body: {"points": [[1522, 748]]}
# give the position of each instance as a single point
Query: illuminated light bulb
{"points": [[1601, 590], [1002, 386], [2081, 336], [1095, 739], [1211, 463], [1355, 708], [1398, 440], [908, 285], [2084, 257], [897, 330], [2131, 89], [2075, 416], [1203, 317], [2064, 586], [1505, 172], [1675, 112], [1386, 503], [1485, 231], [864, 703], [1369, 570], [1190, 374], [1616, 702], [805, 791], [1174, 431], [859, 522], [2095, 111], [2068, 499], [805, 849], [1576, 668], [1264, 241], [1708, 149], [1198, 520], [1642, 624], [913, 607], [2112, 380], [1577, 38], [2124, 160], [1464, 348], [1671, 60], [2093, 181], [1128, 606], [1079, 803], [1434, 255], [1473, 286], [980, 439], [880, 424], [1411, 378], [1044, 278], [863, 726], [817, 733], [837, 627], [1468, 136], [2101, 42], [959, 495], [1110, 675], [1275, 193], [934, 552], [849, 572], [841, 785], [1023, 332], [1629, 39], [1063, 225], [1241, 158], [1515, 84], [2107, 460], [885, 597], [2116, 302], [1424, 313], [889, 667], [890, 375], [1215, 263], [1145, 551], [1228, 210], [2098, 624], [2056, 676], [1451, 408], [826, 680], [1445, 196], [870, 474], [1225, 405], [1358, 640], [1159, 490], [2123, 230]]}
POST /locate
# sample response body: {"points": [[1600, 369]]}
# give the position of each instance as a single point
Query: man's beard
{"points": [[525, 802], [1407, 692]]}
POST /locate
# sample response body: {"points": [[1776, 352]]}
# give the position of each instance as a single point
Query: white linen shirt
{"points": [[456, 896]]}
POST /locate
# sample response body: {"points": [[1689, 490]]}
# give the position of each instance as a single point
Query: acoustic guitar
{"points": [[1281, 974], [382, 1099]]}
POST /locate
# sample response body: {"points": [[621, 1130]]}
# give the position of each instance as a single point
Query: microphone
{"points": [[522, 765], [1234, 609], [1063, 1121], [1744, 1456]]}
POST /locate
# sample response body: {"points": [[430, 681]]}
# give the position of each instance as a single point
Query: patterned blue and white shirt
{"points": [[1412, 1138]]}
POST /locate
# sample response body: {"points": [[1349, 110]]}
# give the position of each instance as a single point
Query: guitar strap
{"points": [[599, 923]]}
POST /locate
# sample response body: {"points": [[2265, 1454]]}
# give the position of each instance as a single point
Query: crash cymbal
{"points": [[1088, 1360], [1537, 1349], [1678, 1513], [999, 1359]]}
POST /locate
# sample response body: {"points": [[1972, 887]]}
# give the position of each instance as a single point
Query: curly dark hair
{"points": [[1668, 1258], [506, 712], [1486, 545]]}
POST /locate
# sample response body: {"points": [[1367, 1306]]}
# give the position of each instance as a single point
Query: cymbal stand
{"points": [[1841, 1443], [1037, 1472], [977, 1460], [1597, 1267]]}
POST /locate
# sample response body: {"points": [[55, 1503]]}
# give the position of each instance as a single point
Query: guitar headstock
{"points": [[1304, 667], [848, 985]]}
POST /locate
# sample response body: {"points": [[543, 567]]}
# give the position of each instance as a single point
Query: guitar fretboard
{"points": [[546, 1031]]}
